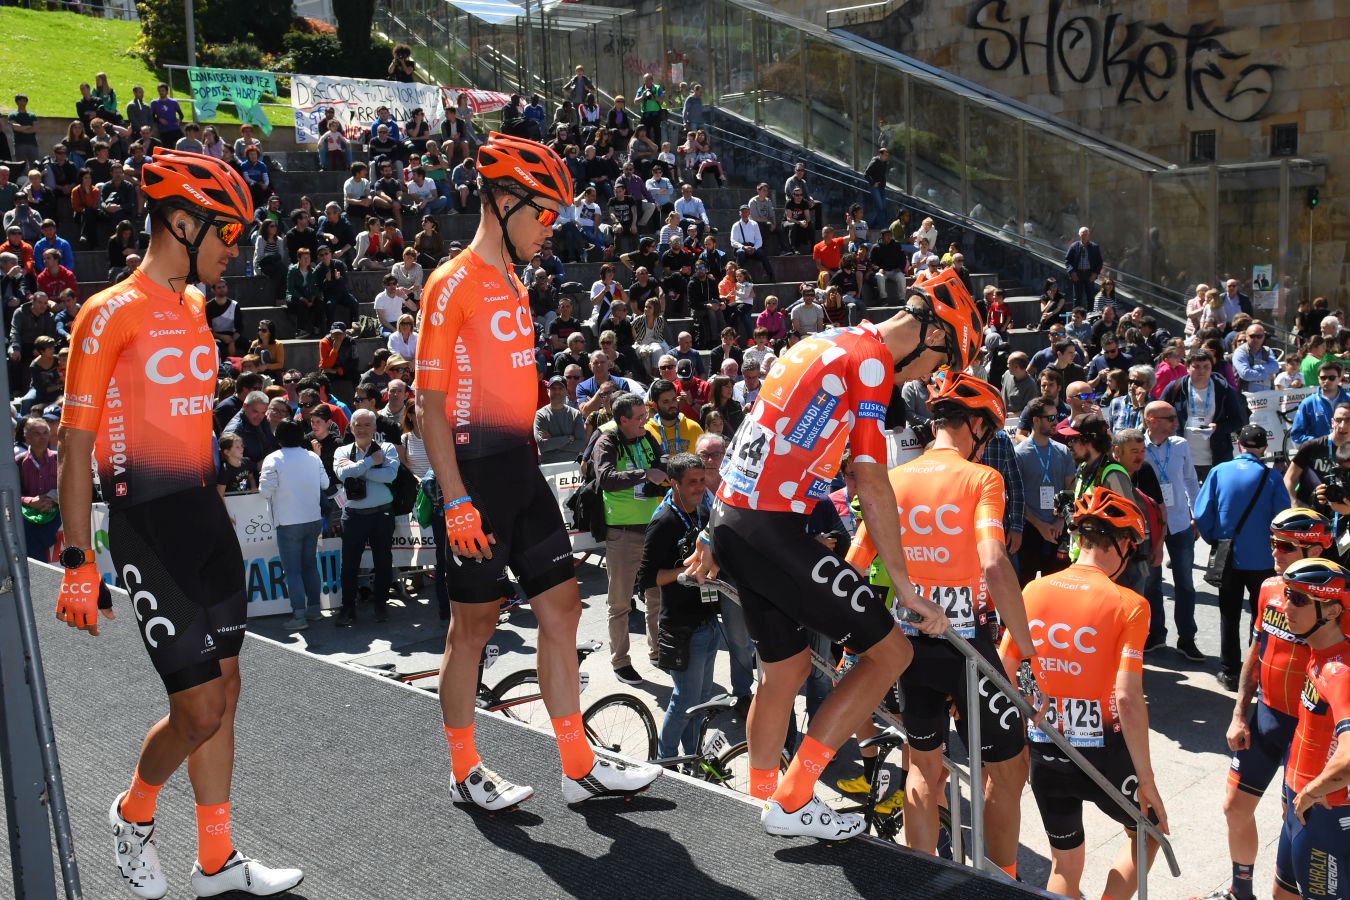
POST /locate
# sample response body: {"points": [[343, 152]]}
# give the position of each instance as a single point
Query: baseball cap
{"points": [[1085, 425], [1253, 436], [557, 379], [336, 327], [745, 206], [684, 368]]}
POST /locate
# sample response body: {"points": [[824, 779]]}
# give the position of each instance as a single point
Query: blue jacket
{"points": [[1223, 498], [1313, 417]]}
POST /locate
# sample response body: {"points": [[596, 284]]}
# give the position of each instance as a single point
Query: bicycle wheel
{"points": [[517, 697], [734, 768], [622, 724]]}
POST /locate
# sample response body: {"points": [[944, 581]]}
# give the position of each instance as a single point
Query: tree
{"points": [[354, 18]]}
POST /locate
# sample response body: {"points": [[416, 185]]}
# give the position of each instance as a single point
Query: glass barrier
{"points": [[1117, 211], [991, 167], [780, 79], [1179, 232], [828, 77], [934, 136]]}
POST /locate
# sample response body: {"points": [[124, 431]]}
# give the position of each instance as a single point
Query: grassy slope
{"points": [[48, 54]]}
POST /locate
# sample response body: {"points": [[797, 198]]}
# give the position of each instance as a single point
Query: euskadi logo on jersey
{"points": [[807, 429], [870, 409]]}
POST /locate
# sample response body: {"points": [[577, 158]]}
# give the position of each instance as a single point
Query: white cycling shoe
{"points": [[609, 779], [136, 855], [815, 820], [485, 788], [247, 876]]}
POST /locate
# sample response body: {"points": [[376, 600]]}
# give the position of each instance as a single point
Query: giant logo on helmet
{"points": [[527, 177]]}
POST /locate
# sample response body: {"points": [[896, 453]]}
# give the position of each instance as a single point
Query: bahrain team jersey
{"points": [[142, 377], [937, 496], [477, 345], [1283, 657], [1323, 716], [1085, 629], [831, 388]]}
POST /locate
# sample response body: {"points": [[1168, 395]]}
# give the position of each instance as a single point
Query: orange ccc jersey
{"points": [[936, 496], [477, 345], [1086, 629], [142, 377]]}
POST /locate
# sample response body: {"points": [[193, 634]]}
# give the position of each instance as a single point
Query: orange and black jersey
{"points": [[142, 377], [477, 345], [1283, 657], [1323, 716]]}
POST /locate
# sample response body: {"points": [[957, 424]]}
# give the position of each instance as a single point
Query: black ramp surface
{"points": [[346, 776]]}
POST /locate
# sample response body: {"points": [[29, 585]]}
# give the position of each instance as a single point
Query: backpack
{"points": [[404, 489], [366, 327]]}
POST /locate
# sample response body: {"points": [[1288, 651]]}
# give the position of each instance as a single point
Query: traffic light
{"points": [[1312, 198]]}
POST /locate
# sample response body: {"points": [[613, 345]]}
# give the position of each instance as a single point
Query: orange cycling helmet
{"points": [[527, 168], [970, 393], [210, 191], [1304, 526], [947, 304], [196, 181], [1103, 505]]}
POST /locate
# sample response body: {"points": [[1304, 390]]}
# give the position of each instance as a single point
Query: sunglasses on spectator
{"points": [[1085, 396], [1329, 376], [667, 366], [290, 381], [1052, 417], [573, 377], [1137, 383]]}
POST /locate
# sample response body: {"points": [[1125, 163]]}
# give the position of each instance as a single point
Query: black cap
{"points": [[1253, 436]]}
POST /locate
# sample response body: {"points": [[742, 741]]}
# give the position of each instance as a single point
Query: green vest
{"points": [[1079, 486], [623, 507]]}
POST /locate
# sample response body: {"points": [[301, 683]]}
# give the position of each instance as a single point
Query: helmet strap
{"points": [[502, 222], [1322, 619], [191, 246]]}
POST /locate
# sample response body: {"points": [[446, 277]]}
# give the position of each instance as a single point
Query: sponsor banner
{"points": [[901, 446], [211, 87], [1274, 411], [563, 479], [479, 101], [354, 101]]}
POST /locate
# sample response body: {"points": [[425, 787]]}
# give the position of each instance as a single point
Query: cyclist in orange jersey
{"points": [[951, 515], [476, 390], [1089, 634], [830, 389], [139, 391], [1273, 675], [1312, 858]]}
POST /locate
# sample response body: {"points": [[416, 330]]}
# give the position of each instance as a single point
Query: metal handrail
{"points": [[37, 687], [977, 665]]}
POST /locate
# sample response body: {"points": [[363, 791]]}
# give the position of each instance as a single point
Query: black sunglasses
{"points": [[1297, 598], [1285, 546], [1052, 417]]}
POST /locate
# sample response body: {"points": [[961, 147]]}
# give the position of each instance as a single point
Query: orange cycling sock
{"points": [[1010, 871], [577, 756], [799, 783], [138, 804], [213, 836], [463, 753], [763, 782]]}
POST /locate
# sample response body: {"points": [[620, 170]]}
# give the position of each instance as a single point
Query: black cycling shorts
{"points": [[787, 579], [937, 674], [518, 509], [179, 559], [1251, 770], [1061, 789], [1312, 858]]}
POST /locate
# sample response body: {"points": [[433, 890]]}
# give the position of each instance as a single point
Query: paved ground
{"points": [[1188, 709]]}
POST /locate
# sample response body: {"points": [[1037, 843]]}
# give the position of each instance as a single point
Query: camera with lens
{"points": [[355, 487], [1336, 482], [1064, 502]]}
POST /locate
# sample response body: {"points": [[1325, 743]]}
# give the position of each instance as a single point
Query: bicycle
{"points": [[717, 761], [620, 723]]}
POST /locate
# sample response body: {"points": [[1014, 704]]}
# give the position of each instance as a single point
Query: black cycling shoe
{"points": [[1228, 680]]}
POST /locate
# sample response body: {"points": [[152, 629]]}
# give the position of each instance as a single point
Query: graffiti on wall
{"points": [[1145, 62]]}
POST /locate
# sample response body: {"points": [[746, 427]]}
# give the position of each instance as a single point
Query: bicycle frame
{"points": [[975, 666]]}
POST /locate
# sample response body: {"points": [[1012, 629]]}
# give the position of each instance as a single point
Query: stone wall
{"points": [[1149, 73]]}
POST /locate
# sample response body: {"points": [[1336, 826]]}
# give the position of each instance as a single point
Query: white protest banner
{"points": [[563, 479], [264, 578], [1274, 411], [354, 101]]}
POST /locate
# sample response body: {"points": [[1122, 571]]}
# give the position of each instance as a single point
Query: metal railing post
{"points": [[975, 751]]}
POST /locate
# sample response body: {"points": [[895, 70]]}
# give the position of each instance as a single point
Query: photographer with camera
{"points": [[629, 472], [1046, 469], [689, 635], [366, 469], [1318, 477]]}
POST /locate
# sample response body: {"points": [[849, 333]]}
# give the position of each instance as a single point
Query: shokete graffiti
{"points": [[1141, 59]]}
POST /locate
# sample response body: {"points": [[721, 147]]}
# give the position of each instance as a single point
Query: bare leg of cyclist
{"points": [[923, 796], [1003, 810], [471, 627], [857, 693], [1123, 878], [1239, 808], [766, 726], [1066, 870]]}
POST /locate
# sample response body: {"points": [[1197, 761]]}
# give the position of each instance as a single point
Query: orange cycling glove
{"points": [[464, 527], [78, 603]]}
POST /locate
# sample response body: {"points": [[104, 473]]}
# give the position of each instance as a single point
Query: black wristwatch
{"points": [[74, 557]]}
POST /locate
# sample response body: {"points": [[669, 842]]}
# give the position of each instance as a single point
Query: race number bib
{"points": [[1078, 720], [957, 602], [745, 459], [715, 743]]}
